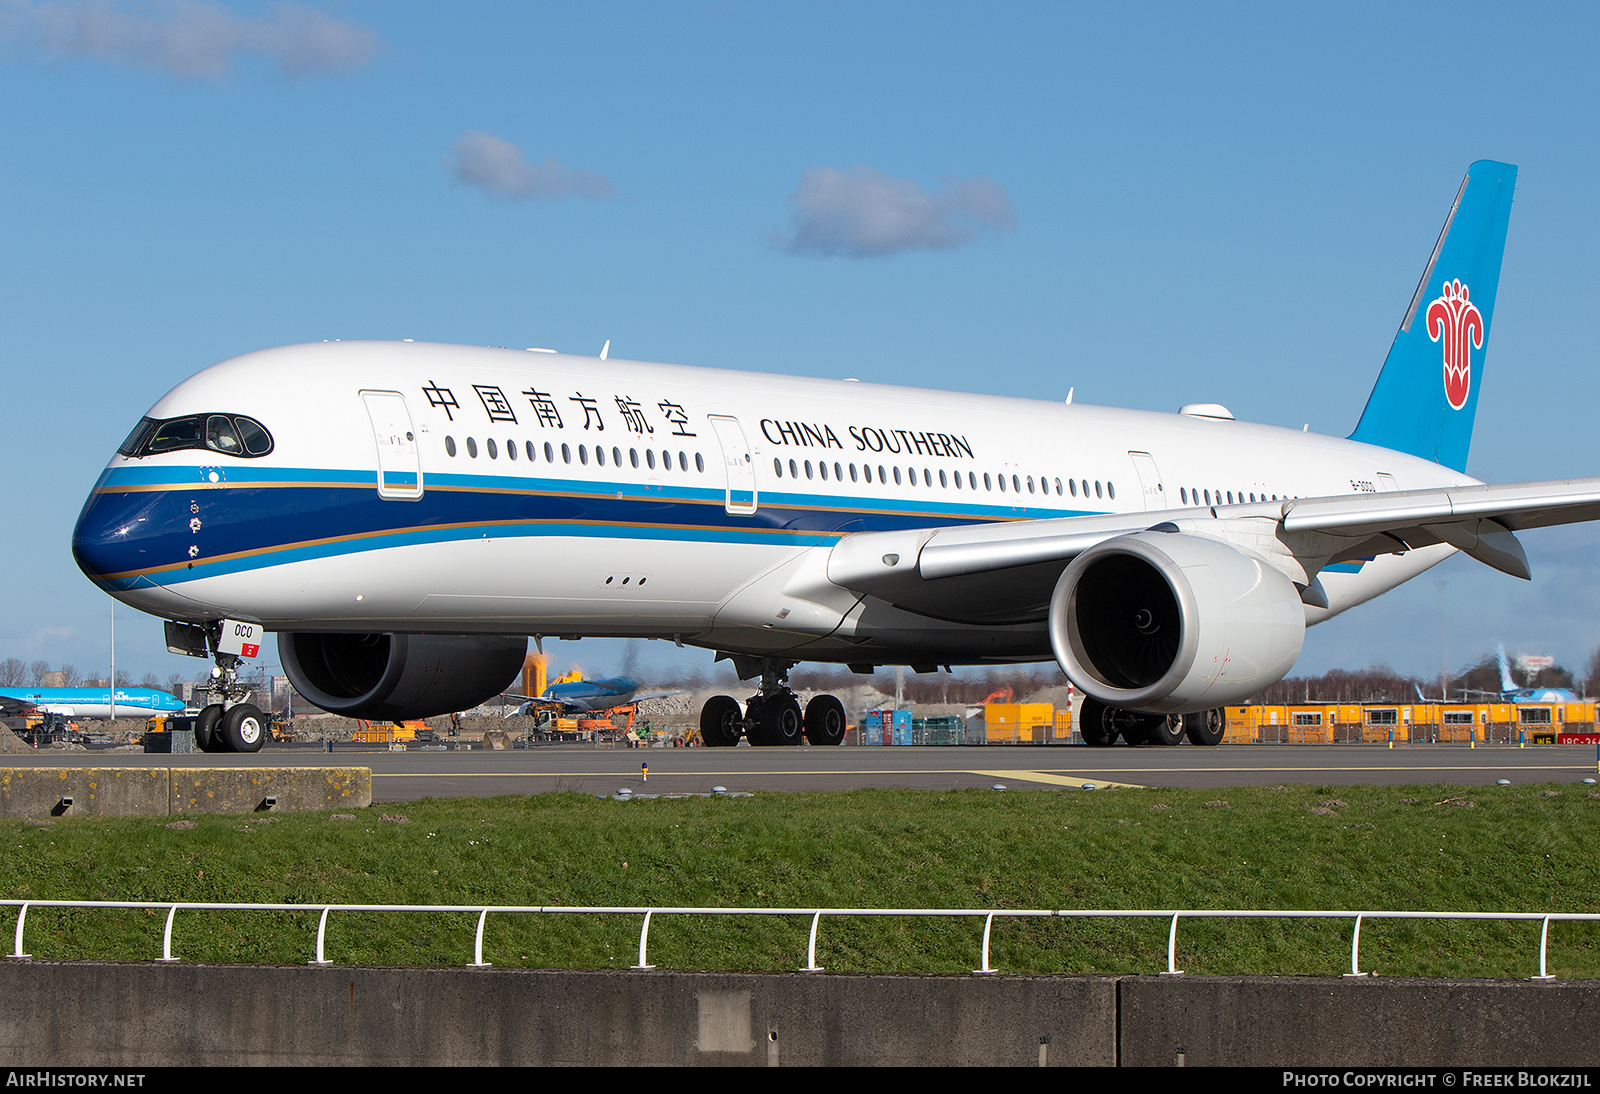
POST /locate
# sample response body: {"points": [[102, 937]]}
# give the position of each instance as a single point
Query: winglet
{"points": [[1427, 393]]}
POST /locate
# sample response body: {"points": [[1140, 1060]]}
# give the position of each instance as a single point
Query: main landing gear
{"points": [[1101, 725], [772, 716]]}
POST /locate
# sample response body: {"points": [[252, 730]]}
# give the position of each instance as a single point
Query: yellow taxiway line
{"points": [[1051, 779]]}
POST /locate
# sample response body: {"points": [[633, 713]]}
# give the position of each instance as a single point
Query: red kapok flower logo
{"points": [[1455, 322]]}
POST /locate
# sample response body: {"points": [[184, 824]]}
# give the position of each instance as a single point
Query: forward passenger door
{"points": [[399, 461]]}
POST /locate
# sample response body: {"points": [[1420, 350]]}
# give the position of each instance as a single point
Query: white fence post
{"points": [[322, 927], [1355, 951], [477, 946], [22, 914], [1544, 935], [988, 922], [166, 935], [1172, 949], [644, 937], [811, 948]]}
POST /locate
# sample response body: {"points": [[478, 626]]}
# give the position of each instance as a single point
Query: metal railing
{"points": [[816, 914]]}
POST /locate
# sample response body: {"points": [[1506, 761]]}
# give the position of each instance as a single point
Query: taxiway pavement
{"points": [[406, 776]]}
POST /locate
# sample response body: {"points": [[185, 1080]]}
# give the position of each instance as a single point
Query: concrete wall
{"points": [[1375, 1021], [131, 1015], [161, 791]]}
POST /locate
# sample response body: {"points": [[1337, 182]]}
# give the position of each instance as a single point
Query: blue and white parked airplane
{"points": [[87, 702], [404, 514], [587, 696]]}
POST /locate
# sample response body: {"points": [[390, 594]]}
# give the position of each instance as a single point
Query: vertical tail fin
{"points": [[1427, 394]]}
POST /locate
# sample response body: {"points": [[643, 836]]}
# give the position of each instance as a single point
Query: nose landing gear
{"points": [[229, 723]]}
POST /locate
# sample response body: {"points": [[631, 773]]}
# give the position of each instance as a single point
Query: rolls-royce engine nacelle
{"points": [[394, 677], [1172, 623]]}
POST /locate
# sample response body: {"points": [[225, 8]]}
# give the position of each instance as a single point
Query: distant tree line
{"points": [[963, 686], [1381, 684], [1377, 684], [16, 673]]}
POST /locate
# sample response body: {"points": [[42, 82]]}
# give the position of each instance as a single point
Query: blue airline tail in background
{"points": [[1427, 394]]}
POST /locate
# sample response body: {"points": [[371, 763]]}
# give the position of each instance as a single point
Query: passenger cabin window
{"points": [[228, 434]]}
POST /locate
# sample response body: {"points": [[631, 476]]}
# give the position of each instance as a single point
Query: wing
{"points": [[1006, 572], [1479, 520], [540, 703], [13, 706], [643, 695]]}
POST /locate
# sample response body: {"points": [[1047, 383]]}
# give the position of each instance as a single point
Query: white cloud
{"points": [[863, 213], [187, 38], [497, 167], [49, 636]]}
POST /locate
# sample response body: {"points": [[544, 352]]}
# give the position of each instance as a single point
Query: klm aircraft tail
{"points": [[1427, 394]]}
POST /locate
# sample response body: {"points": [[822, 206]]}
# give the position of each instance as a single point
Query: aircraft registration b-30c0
{"points": [[404, 515]]}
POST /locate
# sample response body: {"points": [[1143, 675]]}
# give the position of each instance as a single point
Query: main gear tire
{"points": [[825, 721], [1097, 723], [1205, 727], [1163, 729], [779, 721], [720, 722]]}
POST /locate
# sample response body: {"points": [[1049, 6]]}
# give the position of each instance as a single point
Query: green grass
{"points": [[1391, 848]]}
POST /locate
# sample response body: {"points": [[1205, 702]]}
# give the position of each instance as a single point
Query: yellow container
{"points": [[1018, 721], [1063, 724], [1248, 725]]}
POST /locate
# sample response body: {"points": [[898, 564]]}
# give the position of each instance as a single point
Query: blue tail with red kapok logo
{"points": [[1427, 394]]}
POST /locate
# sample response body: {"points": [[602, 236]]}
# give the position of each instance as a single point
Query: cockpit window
{"points": [[131, 446], [221, 436], [257, 441], [170, 436], [228, 434]]}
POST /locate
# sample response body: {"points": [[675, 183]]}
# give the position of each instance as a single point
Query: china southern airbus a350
{"points": [[404, 515]]}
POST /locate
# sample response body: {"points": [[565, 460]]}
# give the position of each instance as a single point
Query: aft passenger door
{"points": [[738, 464], [1155, 494], [399, 462]]}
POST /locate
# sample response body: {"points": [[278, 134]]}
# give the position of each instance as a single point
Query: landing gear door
{"points": [[399, 461], [738, 464], [1155, 494]]}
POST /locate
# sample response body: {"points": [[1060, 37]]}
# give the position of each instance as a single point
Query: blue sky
{"points": [[1152, 204]]}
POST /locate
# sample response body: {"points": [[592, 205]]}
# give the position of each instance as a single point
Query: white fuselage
{"points": [[476, 503]]}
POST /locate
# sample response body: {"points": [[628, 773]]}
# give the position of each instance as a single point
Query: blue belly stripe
{"points": [[136, 527]]}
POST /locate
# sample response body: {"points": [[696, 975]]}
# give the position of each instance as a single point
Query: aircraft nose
{"points": [[120, 536]]}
